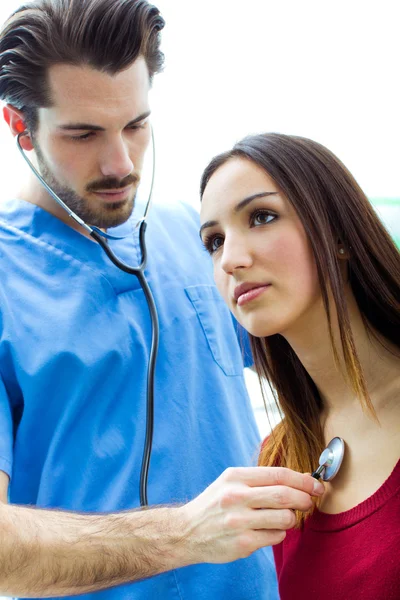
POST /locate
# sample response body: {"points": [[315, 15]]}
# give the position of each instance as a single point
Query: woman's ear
{"points": [[15, 120], [344, 256], [342, 251]]}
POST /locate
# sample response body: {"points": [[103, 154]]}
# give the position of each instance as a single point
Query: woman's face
{"points": [[263, 264]]}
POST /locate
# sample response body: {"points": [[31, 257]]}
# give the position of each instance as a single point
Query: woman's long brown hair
{"points": [[333, 210]]}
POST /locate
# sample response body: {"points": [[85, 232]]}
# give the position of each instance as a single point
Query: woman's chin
{"points": [[260, 330]]}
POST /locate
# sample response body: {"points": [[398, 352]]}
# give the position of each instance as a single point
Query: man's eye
{"points": [[141, 125], [84, 136], [262, 217]]}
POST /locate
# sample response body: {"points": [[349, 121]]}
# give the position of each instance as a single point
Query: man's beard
{"points": [[104, 215]]}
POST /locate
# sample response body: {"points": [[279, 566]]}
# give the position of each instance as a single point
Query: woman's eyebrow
{"points": [[249, 199], [240, 206]]}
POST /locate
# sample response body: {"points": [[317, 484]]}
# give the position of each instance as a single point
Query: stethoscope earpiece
{"points": [[20, 127], [330, 460]]}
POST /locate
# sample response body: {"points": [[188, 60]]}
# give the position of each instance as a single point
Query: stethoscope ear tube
{"points": [[89, 228], [99, 237], [139, 272], [102, 238]]}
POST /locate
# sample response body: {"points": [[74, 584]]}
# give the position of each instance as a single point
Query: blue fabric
{"points": [[6, 431], [74, 345]]}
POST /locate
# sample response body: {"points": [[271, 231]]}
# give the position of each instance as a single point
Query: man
{"points": [[75, 341]]}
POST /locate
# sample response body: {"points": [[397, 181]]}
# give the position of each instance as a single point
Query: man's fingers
{"points": [[273, 519], [277, 497], [274, 476], [262, 538], [269, 538]]}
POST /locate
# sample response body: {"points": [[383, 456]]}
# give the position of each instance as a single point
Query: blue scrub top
{"points": [[74, 344]]}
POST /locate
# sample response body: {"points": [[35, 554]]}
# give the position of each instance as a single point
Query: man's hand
{"points": [[244, 510], [53, 553]]}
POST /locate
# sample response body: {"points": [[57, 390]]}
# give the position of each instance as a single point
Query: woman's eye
{"points": [[262, 217], [213, 243], [217, 243]]}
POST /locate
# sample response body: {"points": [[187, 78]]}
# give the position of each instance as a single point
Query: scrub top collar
{"points": [[43, 227]]}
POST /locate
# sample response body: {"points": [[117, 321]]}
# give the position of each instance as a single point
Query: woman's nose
{"points": [[235, 255]]}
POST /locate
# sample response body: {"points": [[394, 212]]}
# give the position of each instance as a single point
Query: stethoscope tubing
{"points": [[155, 337], [102, 238]]}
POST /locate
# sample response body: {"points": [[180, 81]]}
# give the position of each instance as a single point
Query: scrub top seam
{"points": [[6, 466], [177, 584], [48, 245], [6, 460], [136, 242]]}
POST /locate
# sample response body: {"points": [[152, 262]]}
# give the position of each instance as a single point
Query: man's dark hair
{"points": [[108, 35]]}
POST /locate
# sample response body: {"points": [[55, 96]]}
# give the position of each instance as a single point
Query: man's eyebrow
{"points": [[238, 208], [92, 127]]}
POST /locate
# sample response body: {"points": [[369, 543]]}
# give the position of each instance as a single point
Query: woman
{"points": [[308, 269]]}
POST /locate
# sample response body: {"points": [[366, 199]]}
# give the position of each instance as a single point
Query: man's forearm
{"points": [[53, 553]]}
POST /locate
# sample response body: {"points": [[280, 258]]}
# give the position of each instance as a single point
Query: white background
{"points": [[325, 70]]}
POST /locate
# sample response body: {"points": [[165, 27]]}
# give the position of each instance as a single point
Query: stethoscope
{"points": [[330, 460], [101, 237]]}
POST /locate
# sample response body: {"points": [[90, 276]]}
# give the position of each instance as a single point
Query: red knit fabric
{"points": [[354, 555]]}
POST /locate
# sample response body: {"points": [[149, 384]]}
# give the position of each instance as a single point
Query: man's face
{"points": [[90, 144]]}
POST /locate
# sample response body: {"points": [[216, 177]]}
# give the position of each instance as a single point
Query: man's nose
{"points": [[235, 255], [115, 160]]}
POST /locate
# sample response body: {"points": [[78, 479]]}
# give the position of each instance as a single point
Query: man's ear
{"points": [[15, 120]]}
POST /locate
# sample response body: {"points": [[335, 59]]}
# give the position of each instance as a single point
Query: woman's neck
{"points": [[380, 363]]}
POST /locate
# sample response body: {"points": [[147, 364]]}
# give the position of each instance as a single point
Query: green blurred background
{"points": [[389, 211]]}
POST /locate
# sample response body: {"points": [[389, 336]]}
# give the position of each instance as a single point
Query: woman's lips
{"points": [[252, 294]]}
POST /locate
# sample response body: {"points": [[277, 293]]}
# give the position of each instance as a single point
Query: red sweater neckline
{"points": [[320, 521]]}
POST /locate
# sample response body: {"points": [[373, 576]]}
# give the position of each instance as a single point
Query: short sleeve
{"points": [[6, 431]]}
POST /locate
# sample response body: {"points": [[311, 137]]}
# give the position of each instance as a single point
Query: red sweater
{"points": [[354, 555]]}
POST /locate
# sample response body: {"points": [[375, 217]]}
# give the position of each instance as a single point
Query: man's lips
{"points": [[113, 194], [248, 291]]}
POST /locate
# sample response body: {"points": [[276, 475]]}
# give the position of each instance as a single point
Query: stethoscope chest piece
{"points": [[330, 460]]}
